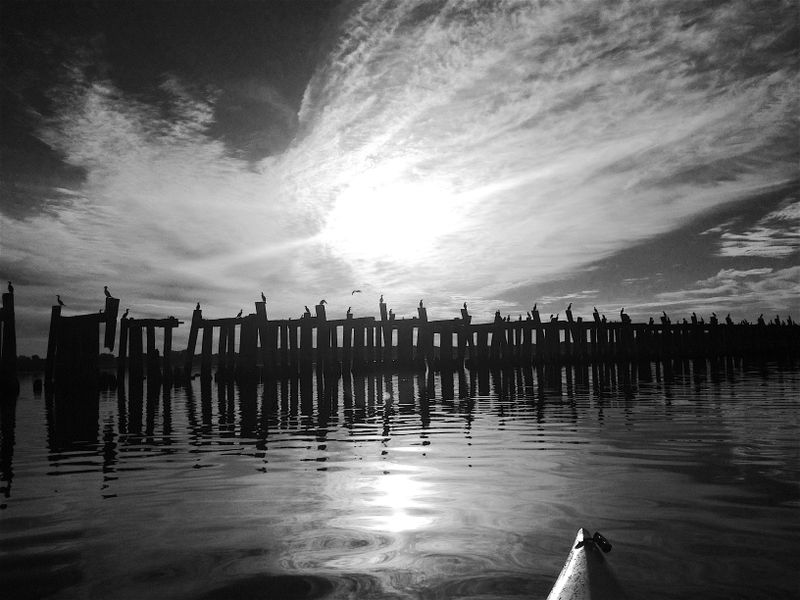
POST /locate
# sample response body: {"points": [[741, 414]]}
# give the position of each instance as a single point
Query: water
{"points": [[424, 486]]}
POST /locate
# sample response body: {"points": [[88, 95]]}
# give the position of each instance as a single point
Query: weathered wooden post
{"points": [[306, 342], [122, 356], [110, 316], [166, 360], [263, 335], [8, 344], [153, 366], [136, 361], [323, 336], [206, 351], [52, 343], [405, 344], [358, 347], [248, 347], [197, 321], [384, 334]]}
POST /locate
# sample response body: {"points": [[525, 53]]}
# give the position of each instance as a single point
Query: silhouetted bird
{"points": [[534, 307], [308, 311], [355, 292], [60, 303], [420, 303], [197, 307], [381, 299], [465, 306], [569, 306], [239, 316], [323, 301], [349, 310], [10, 288], [263, 297], [125, 314], [106, 292]]}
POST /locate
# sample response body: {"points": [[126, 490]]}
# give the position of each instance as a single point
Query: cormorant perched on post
{"points": [[465, 306], [10, 288], [569, 306], [125, 314], [381, 299], [197, 307], [349, 310], [106, 292], [420, 303], [308, 310], [239, 316], [60, 303], [263, 297], [323, 301]]}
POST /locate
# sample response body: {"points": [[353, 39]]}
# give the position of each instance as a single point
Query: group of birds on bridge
{"points": [[533, 314]]}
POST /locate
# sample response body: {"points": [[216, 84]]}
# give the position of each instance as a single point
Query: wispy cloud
{"points": [[775, 236]]}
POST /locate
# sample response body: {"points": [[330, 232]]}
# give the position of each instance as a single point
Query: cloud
{"points": [[777, 235]]}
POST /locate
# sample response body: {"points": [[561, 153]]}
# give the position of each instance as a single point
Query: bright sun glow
{"points": [[395, 220]]}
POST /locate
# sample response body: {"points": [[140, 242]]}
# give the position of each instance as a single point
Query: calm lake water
{"points": [[422, 486]]}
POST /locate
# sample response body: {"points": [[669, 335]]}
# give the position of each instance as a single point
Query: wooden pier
{"points": [[253, 347], [289, 347], [132, 352], [73, 345], [8, 344]]}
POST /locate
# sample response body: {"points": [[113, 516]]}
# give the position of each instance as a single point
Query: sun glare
{"points": [[401, 221]]}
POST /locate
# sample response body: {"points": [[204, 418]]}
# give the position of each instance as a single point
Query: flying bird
{"points": [[263, 297], [323, 301], [60, 303], [355, 292], [106, 292]]}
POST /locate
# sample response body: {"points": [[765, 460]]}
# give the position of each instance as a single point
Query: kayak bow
{"points": [[586, 574]]}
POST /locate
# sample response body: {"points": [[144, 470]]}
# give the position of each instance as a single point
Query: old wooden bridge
{"points": [[254, 346]]}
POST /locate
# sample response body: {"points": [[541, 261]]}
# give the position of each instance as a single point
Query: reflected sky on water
{"points": [[406, 486]]}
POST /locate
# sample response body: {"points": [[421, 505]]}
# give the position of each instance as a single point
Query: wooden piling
{"points": [[197, 318], [8, 343], [206, 350]]}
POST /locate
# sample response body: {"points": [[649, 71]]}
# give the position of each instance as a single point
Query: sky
{"points": [[608, 153]]}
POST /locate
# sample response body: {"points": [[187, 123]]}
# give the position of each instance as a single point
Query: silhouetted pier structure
{"points": [[8, 344], [73, 344], [133, 333], [288, 347]]}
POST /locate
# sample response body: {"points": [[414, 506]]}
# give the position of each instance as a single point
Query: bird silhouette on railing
{"points": [[125, 314], [106, 292], [197, 307], [308, 310], [239, 316], [60, 302]]}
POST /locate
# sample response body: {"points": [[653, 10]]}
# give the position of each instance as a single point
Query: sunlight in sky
{"points": [[399, 221]]}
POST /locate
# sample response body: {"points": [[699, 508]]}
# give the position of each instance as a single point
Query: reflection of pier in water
{"points": [[157, 418]]}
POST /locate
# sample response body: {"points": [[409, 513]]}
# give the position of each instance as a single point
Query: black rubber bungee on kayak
{"points": [[598, 540]]}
